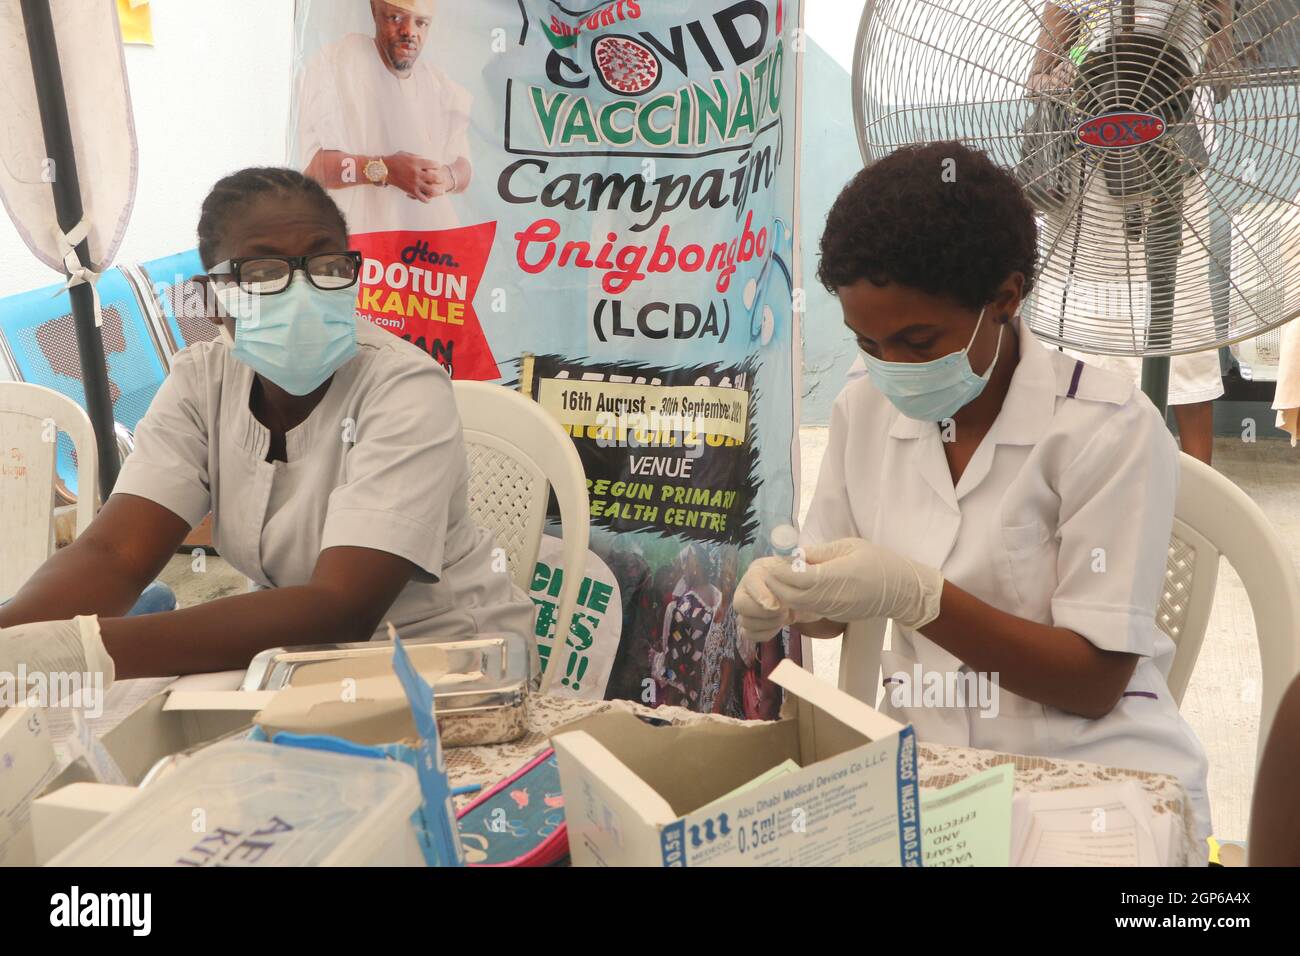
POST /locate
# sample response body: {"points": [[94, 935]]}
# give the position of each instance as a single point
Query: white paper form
{"points": [[1108, 825]]}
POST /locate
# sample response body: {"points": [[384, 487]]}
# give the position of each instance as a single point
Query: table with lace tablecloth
{"points": [[937, 765]]}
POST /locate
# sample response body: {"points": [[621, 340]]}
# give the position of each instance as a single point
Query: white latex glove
{"points": [[759, 615], [62, 647], [852, 579]]}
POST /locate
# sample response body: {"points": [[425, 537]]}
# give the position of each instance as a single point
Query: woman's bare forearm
{"points": [[105, 569], [83, 578], [227, 633], [350, 591], [1051, 665]]}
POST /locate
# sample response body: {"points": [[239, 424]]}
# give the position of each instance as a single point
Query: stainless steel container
{"points": [[481, 699]]}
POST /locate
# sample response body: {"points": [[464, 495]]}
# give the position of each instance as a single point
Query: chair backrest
{"points": [[1186, 600], [40, 337], [1213, 518], [517, 455], [860, 659], [30, 419], [177, 302]]}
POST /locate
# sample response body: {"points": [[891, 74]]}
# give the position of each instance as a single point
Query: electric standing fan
{"points": [[1159, 141]]}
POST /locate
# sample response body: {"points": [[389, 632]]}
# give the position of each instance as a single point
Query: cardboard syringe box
{"points": [[27, 764], [167, 723], [633, 792], [60, 817]]}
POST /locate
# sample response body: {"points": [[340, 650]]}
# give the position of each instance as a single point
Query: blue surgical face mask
{"points": [[932, 391], [296, 338]]}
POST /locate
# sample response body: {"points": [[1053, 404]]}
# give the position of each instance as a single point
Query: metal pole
{"points": [[1164, 245], [1155, 381], [48, 77]]}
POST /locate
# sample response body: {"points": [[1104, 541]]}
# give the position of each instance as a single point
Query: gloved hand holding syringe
{"points": [[839, 581]]}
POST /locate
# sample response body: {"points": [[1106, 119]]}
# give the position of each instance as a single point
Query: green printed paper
{"points": [[969, 823]]}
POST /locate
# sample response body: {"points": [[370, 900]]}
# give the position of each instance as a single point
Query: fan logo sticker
{"points": [[1120, 130]]}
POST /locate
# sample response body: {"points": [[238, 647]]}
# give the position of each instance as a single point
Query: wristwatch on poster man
{"points": [[376, 171]]}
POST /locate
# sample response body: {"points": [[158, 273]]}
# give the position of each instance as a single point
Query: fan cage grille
{"points": [[992, 72]]}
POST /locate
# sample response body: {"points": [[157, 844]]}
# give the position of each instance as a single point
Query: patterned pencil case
{"points": [[519, 821]]}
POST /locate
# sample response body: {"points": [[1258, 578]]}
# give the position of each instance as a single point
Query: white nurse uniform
{"points": [[1063, 516]]}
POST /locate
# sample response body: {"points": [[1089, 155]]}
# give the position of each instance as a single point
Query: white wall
{"points": [[828, 160], [833, 26], [210, 96]]}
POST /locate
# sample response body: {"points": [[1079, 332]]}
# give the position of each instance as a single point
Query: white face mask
{"points": [[932, 391], [297, 338]]}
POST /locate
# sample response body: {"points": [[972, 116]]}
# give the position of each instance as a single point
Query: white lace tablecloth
{"points": [[938, 765]]}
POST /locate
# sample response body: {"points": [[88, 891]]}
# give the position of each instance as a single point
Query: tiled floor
{"points": [[1222, 702]]}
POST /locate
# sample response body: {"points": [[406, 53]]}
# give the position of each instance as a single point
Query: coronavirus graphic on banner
{"points": [[593, 202]]}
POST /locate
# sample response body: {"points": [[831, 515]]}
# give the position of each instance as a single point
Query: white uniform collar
{"points": [[1029, 405]]}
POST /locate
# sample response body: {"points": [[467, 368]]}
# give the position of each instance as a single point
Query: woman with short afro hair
{"points": [[1008, 507]]}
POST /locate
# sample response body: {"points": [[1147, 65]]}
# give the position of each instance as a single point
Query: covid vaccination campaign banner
{"points": [[594, 202]]}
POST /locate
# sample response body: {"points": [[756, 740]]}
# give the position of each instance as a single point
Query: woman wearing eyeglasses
{"points": [[328, 451]]}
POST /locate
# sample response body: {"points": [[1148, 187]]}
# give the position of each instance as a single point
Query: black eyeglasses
{"points": [[267, 275]]}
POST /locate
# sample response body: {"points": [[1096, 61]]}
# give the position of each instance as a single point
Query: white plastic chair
{"points": [[517, 454], [1213, 518], [860, 659], [30, 418]]}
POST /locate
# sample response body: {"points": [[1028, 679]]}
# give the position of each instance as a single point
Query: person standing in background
{"points": [[1072, 31]]}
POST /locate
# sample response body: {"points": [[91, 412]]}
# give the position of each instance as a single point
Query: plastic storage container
{"points": [[244, 803]]}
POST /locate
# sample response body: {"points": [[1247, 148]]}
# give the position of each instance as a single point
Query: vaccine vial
{"points": [[784, 540]]}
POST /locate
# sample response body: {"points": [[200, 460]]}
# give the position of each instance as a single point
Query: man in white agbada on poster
{"points": [[383, 129]]}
